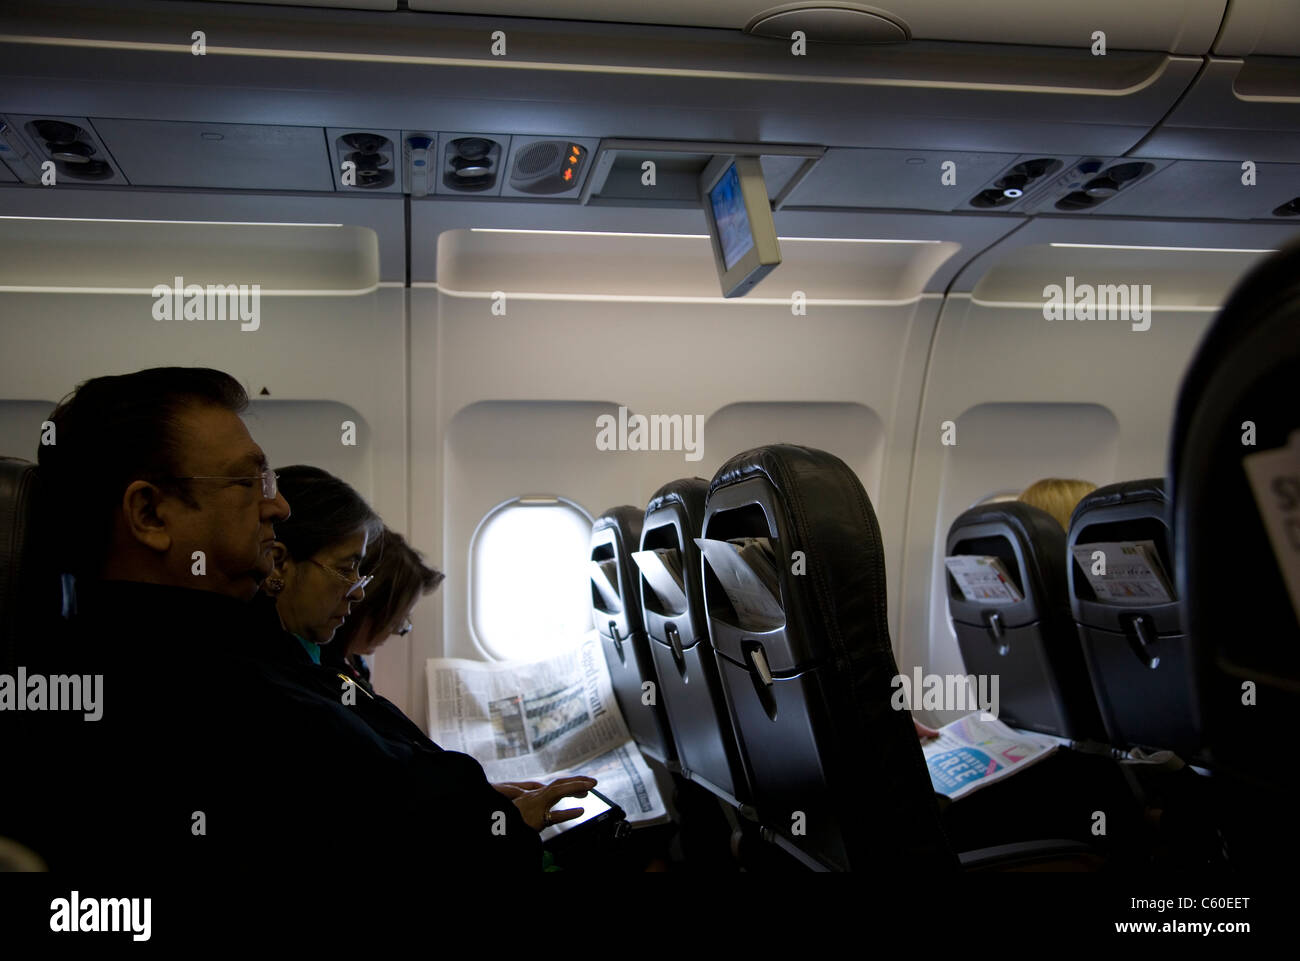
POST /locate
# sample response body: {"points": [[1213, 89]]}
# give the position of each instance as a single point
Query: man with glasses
{"points": [[205, 757]]}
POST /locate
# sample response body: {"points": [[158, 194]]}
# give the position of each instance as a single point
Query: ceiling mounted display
{"points": [[471, 163], [365, 159], [72, 145], [548, 166]]}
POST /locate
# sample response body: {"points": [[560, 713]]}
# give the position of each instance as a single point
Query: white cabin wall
{"points": [[507, 405], [324, 359]]}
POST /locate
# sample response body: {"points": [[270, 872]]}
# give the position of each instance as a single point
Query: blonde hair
{"points": [[1056, 496]]}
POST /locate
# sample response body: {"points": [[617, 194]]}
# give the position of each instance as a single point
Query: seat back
{"points": [[31, 592], [676, 622], [1030, 644], [616, 614], [1136, 648], [1235, 485], [836, 773]]}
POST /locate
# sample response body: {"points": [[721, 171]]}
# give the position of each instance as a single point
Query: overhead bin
{"points": [[1236, 110], [1263, 28], [1176, 26], [589, 80]]}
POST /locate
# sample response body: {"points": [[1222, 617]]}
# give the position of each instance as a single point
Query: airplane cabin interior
{"points": [[712, 353]]}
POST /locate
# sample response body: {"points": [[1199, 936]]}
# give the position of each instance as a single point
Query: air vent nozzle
{"points": [[371, 155]]}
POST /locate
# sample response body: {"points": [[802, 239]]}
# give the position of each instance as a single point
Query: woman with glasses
{"points": [[316, 558], [315, 581], [400, 578]]}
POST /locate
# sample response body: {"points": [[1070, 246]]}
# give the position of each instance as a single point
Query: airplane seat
{"points": [[672, 596], [794, 586], [1235, 489], [616, 613], [1031, 643], [1136, 652], [31, 591]]}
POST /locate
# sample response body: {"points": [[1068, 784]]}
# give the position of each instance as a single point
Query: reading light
{"points": [[1013, 192]]}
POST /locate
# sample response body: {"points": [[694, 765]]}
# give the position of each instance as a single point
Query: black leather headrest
{"points": [[1238, 609], [1152, 490], [29, 588], [1251, 333], [688, 495], [826, 512], [685, 498], [625, 522], [1039, 536]]}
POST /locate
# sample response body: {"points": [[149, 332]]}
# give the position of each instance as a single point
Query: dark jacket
{"points": [[204, 714]]}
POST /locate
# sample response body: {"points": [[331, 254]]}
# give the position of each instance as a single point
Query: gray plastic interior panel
{"points": [[1236, 110], [902, 179], [160, 153], [1203, 189]]}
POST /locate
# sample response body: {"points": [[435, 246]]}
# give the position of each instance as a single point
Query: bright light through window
{"points": [[530, 593]]}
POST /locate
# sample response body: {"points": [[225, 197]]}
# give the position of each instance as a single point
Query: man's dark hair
{"points": [[112, 431], [400, 575], [325, 511]]}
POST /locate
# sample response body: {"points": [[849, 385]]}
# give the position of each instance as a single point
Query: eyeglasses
{"points": [[354, 585], [268, 478], [404, 629]]}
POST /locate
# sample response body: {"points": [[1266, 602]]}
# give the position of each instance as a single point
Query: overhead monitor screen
{"points": [[729, 213]]}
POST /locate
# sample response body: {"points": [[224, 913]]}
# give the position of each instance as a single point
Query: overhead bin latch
{"points": [[997, 631]]}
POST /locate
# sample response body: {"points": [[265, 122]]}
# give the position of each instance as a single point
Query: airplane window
{"points": [[528, 578]]}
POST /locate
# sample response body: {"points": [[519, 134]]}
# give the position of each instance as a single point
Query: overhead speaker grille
{"points": [[548, 167]]}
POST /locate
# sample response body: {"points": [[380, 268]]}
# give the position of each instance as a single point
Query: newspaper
{"points": [[746, 569], [969, 754], [542, 720], [662, 568], [983, 579], [604, 575], [1275, 482], [1133, 572]]}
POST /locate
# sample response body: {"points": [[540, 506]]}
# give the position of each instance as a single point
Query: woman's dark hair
{"points": [[323, 511], [112, 431], [400, 577]]}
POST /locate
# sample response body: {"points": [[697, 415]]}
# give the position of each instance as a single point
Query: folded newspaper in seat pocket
{"points": [[983, 578], [746, 569], [662, 568], [969, 754], [1125, 572], [604, 576], [543, 720]]}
